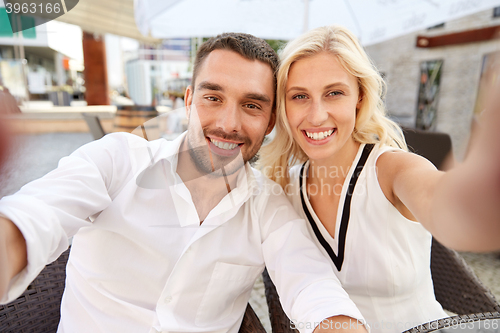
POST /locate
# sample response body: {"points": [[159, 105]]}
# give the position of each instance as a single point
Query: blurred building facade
{"points": [[153, 71], [436, 77], [32, 68]]}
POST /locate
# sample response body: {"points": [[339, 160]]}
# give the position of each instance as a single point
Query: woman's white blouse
{"points": [[386, 267]]}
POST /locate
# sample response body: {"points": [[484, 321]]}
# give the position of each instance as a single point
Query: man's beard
{"points": [[209, 163]]}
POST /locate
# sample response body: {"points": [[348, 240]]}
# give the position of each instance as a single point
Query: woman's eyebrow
{"points": [[337, 85], [295, 88], [329, 86]]}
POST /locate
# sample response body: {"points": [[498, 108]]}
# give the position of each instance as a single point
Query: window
{"points": [[437, 26], [496, 12], [428, 93]]}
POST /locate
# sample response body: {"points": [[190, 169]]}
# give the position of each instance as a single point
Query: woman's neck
{"points": [[334, 169]]}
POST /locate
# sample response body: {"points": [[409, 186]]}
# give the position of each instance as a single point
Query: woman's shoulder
{"points": [[380, 152], [390, 157], [381, 148]]}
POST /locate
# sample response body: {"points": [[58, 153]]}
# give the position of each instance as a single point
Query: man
{"points": [[170, 236]]}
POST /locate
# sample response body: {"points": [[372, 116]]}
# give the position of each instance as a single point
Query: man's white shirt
{"points": [[141, 262]]}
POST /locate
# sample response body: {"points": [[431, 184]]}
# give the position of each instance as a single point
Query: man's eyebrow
{"points": [[258, 97], [209, 86]]}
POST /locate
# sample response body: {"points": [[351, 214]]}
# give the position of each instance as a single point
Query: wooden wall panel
{"points": [[96, 78]]}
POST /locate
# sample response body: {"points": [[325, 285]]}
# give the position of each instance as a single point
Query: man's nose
{"points": [[229, 120], [317, 114]]}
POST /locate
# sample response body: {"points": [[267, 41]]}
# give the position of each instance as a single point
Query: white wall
{"points": [[399, 59]]}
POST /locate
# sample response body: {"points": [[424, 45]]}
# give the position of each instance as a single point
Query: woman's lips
{"points": [[319, 137]]}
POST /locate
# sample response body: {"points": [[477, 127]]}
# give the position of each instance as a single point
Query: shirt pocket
{"points": [[230, 284]]}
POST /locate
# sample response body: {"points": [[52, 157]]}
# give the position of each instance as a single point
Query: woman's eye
{"points": [[299, 97], [335, 93]]}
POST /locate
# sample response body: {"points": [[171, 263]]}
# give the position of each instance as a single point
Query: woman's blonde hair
{"points": [[372, 125]]}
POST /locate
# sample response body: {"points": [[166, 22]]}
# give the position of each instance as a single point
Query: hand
{"points": [[340, 324], [13, 253]]}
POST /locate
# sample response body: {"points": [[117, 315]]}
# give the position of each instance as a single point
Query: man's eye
{"points": [[213, 99], [300, 96], [252, 106]]}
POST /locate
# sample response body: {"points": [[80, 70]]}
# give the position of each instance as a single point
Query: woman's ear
{"points": [[360, 100]]}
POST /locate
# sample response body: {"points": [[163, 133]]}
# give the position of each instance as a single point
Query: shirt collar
{"points": [[245, 180], [246, 183]]}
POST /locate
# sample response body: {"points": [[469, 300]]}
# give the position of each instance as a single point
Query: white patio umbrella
{"points": [[372, 21]]}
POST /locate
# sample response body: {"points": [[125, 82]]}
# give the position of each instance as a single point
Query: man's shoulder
{"points": [[265, 185], [269, 187], [118, 139], [270, 200], [129, 141], [123, 147]]}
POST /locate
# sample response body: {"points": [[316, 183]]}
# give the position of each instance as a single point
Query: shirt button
{"points": [[168, 299]]}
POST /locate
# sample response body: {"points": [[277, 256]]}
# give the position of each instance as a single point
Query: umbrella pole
{"points": [[306, 16]]}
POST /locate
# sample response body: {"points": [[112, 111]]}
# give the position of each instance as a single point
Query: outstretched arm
{"points": [[461, 208], [13, 256], [469, 195], [48, 211]]}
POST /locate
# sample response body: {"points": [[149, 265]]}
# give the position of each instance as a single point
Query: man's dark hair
{"points": [[246, 45]]}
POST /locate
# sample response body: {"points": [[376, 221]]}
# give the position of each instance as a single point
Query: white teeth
{"points": [[319, 135], [224, 145]]}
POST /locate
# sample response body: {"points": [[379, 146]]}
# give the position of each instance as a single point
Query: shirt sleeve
{"points": [[50, 210], [308, 288]]}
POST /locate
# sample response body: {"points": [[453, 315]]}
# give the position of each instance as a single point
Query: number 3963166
{"points": [[33, 8]]}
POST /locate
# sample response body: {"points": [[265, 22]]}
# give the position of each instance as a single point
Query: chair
{"points": [[456, 287], [280, 323], [37, 309], [434, 146], [463, 323], [94, 125]]}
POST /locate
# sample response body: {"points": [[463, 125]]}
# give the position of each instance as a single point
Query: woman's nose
{"points": [[317, 114]]}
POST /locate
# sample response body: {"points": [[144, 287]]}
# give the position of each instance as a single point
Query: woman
{"points": [[359, 189]]}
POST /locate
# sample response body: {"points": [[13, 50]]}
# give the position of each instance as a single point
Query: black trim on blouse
{"points": [[344, 222]]}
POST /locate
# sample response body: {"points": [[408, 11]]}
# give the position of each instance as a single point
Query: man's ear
{"points": [[272, 122], [188, 99]]}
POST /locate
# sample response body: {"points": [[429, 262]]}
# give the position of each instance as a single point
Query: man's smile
{"points": [[223, 147]]}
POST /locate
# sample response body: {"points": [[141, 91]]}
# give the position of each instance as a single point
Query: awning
{"points": [[106, 16], [371, 21]]}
